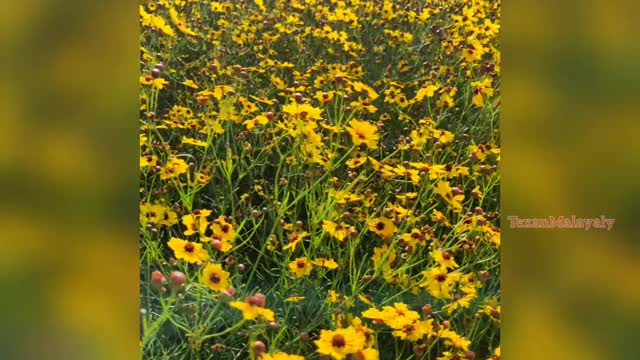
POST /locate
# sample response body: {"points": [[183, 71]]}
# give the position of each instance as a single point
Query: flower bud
{"points": [[216, 244], [259, 348], [158, 280], [483, 275], [177, 280]]}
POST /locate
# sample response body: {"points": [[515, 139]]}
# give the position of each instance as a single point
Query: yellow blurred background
{"points": [[68, 159], [569, 125]]}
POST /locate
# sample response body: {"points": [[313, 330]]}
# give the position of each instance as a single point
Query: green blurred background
{"points": [[68, 165], [68, 159], [570, 89]]}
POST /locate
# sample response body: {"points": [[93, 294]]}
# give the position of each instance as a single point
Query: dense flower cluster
{"points": [[320, 178]]}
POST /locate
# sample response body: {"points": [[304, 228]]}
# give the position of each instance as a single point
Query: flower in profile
{"points": [[196, 224], [363, 132], [294, 239], [455, 340], [338, 231], [326, 263], [340, 343], [253, 307], [294, 299], [395, 316], [383, 226], [188, 251], [444, 259], [215, 278], [301, 267], [446, 191]]}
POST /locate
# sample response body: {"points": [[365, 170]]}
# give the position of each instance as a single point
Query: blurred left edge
{"points": [[68, 176]]}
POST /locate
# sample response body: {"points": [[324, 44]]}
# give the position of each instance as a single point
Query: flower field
{"points": [[319, 179]]}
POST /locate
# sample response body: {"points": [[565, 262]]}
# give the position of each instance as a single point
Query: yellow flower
{"points": [[426, 90], [280, 356], [414, 238], [383, 227], [395, 316], [386, 254], [304, 112], [151, 212], [415, 331], [294, 239], [159, 83], [363, 132], [148, 161], [294, 299], [196, 224], [340, 342], [357, 162], [214, 277], [195, 142], [444, 259], [188, 251], [444, 189], [190, 83], [325, 97], [301, 267], [339, 232], [173, 168], [252, 308], [327, 263], [146, 79], [462, 303], [455, 340], [438, 217], [223, 231], [439, 282], [367, 354]]}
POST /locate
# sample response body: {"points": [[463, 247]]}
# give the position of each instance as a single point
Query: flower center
{"points": [[380, 226], [408, 329], [225, 228], [441, 278], [215, 278], [300, 264], [338, 341], [189, 247]]}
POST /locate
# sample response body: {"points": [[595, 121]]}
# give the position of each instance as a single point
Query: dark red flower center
{"points": [[408, 329], [338, 341], [215, 278], [189, 247]]}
